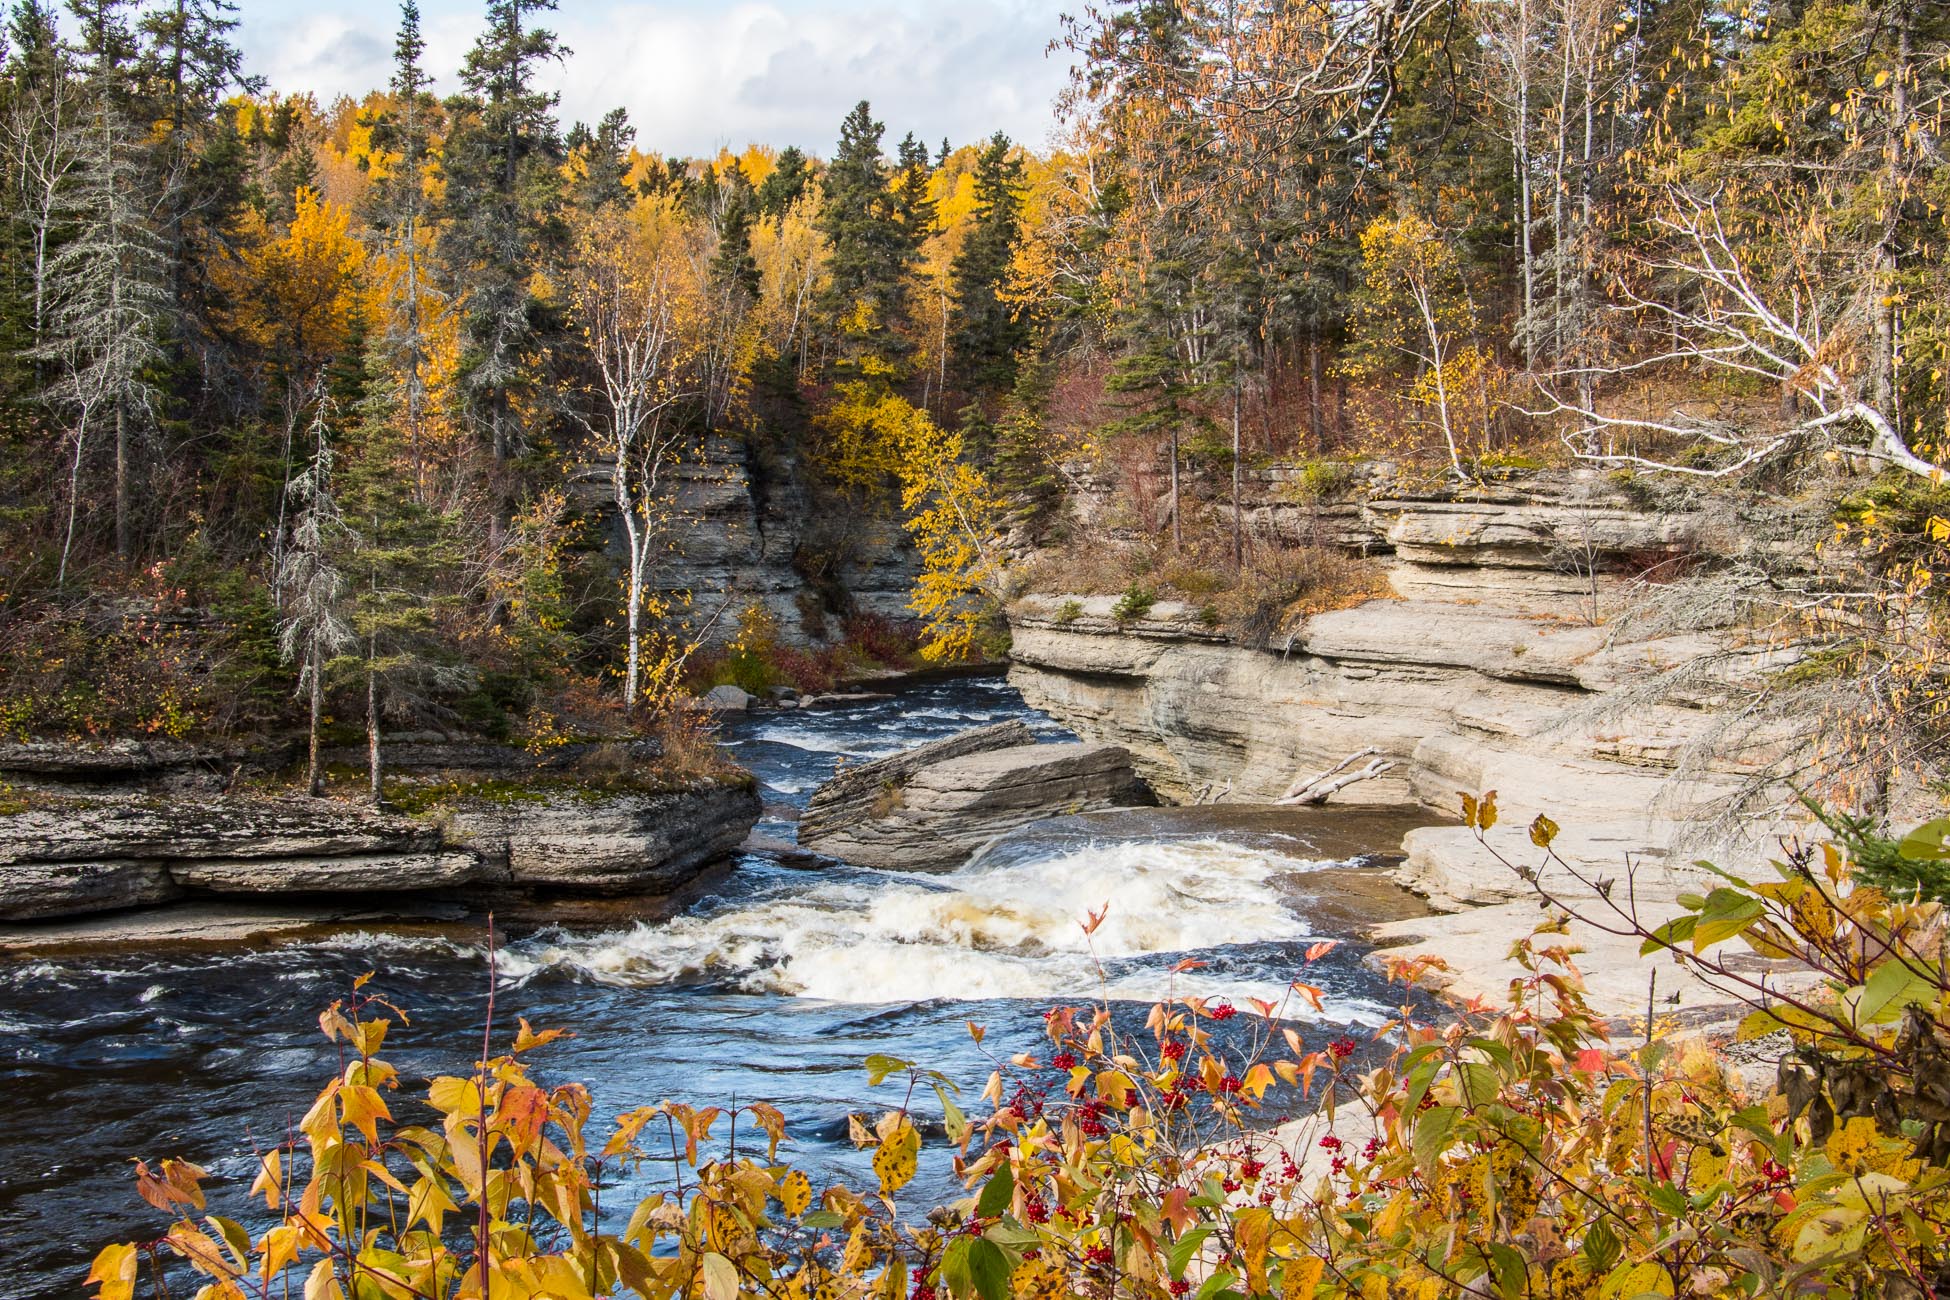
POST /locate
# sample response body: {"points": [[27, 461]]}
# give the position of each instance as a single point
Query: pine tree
{"points": [[502, 160], [987, 334]]}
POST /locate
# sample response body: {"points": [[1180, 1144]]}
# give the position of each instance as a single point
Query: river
{"points": [[773, 983]]}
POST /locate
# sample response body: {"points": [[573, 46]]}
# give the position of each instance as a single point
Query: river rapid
{"points": [[772, 983]]}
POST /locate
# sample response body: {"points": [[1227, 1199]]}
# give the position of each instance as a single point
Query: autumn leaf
{"points": [[898, 1157], [794, 1193]]}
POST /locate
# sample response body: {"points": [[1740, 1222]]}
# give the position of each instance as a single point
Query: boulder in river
{"points": [[931, 808], [727, 698]]}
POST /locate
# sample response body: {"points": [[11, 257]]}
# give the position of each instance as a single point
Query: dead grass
{"points": [[1257, 603]]}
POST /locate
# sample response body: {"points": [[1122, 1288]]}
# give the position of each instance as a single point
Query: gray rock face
{"points": [[619, 844], [94, 856], [1485, 673], [930, 808]]}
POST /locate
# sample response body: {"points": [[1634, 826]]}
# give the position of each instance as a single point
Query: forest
{"points": [[385, 408], [416, 414]]}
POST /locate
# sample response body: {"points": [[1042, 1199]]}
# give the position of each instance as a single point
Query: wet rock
{"points": [[931, 808]]}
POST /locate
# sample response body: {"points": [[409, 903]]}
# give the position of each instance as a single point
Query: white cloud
{"points": [[694, 76]]}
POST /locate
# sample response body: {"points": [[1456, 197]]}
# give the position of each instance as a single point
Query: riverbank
{"points": [[132, 829], [1485, 666]]}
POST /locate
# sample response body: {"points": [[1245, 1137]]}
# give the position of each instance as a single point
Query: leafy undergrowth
{"points": [[1517, 1152]]}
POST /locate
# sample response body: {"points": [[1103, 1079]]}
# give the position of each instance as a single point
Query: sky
{"points": [[697, 75]]}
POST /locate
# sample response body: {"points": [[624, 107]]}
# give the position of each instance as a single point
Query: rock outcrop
{"points": [[931, 808], [750, 525], [65, 857], [1486, 669]]}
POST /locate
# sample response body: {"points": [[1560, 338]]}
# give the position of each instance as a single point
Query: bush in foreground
{"points": [[1514, 1153]]}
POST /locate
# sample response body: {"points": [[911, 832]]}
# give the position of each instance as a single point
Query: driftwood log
{"points": [[1318, 788]]}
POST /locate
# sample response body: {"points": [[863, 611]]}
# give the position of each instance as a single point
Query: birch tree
{"points": [[624, 294]]}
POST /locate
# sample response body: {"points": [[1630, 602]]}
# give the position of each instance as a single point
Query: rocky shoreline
{"points": [[130, 826], [1481, 669]]}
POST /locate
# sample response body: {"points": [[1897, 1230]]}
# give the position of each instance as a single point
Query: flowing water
{"points": [[773, 983]]}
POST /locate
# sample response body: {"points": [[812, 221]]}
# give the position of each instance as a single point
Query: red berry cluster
{"points": [[1098, 1255], [1230, 1084], [1063, 1061], [1341, 1048], [1172, 1051], [1223, 1011], [1179, 1286]]}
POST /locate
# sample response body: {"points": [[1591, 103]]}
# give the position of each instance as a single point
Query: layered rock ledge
{"points": [[932, 807], [72, 849], [1488, 667]]}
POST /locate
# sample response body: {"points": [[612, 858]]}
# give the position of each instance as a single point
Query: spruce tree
{"points": [[914, 207], [311, 588], [790, 175], [869, 246], [110, 298], [733, 265], [395, 551], [502, 161], [602, 160], [397, 208], [987, 336]]}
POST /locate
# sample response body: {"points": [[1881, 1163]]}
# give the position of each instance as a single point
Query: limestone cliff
{"points": [[747, 527], [1485, 667]]}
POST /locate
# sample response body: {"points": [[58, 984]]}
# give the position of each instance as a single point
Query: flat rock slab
{"points": [[114, 854], [930, 809]]}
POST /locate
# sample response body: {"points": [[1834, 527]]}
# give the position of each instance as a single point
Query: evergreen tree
{"points": [[733, 264], [502, 161], [869, 245], [398, 212], [395, 551], [41, 123], [109, 298], [987, 333], [312, 589], [914, 207], [296, 170], [602, 160], [790, 175]]}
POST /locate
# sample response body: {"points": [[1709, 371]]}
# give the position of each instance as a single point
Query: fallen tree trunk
{"points": [[1318, 788]]}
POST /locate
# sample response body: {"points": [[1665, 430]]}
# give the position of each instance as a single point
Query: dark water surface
{"points": [[773, 984]]}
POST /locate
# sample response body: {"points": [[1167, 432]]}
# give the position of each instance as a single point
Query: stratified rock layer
{"points": [[1487, 670], [79, 856], [931, 808]]}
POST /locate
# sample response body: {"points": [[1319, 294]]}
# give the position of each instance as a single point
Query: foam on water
{"points": [[989, 930]]}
